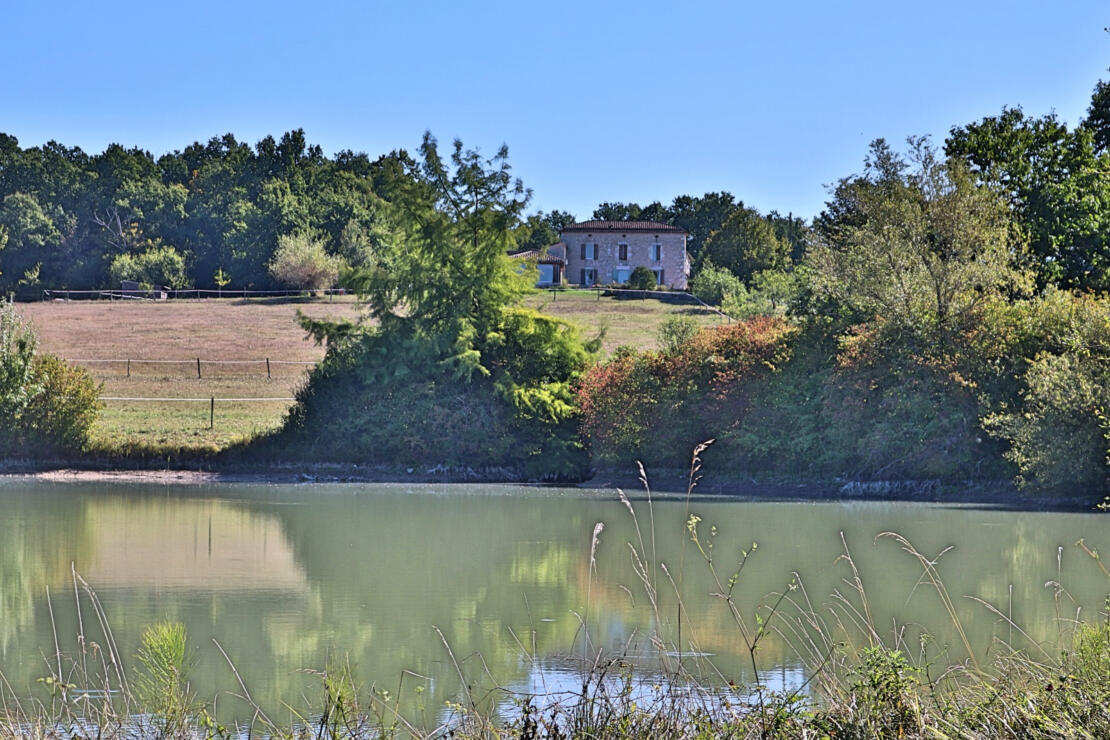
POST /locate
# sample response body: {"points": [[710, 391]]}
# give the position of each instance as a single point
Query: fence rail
{"points": [[206, 398], [197, 361], [152, 295]]}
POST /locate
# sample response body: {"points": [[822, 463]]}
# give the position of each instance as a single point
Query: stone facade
{"points": [[606, 252]]}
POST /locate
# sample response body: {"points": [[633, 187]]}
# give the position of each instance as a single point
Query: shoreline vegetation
{"points": [[944, 320], [860, 679]]}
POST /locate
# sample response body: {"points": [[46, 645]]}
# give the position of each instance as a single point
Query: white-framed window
{"points": [[622, 252], [656, 252], [589, 251]]}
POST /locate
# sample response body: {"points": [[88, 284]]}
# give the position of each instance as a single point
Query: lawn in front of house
{"points": [[634, 322]]}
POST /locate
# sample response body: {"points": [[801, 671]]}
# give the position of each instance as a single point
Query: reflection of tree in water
{"points": [[387, 567], [40, 535], [364, 572]]}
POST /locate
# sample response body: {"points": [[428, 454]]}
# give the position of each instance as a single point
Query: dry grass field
{"points": [[103, 335]]}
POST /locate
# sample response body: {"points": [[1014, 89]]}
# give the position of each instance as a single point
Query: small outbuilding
{"points": [[550, 261]]}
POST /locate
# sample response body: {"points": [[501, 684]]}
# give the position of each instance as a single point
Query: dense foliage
{"points": [[656, 406], [911, 343], [450, 372], [70, 217]]}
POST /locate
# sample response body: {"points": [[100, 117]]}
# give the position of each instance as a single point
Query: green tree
{"points": [[1057, 185], [17, 353], [159, 264], [617, 212], [745, 244], [448, 276], [701, 216], [542, 229], [712, 284], [1098, 116], [301, 262], [31, 236], [925, 247], [450, 372]]}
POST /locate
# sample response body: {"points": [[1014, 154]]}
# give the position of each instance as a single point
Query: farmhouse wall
{"points": [[672, 259]]}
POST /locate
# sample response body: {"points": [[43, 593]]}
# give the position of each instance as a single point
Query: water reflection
{"points": [[290, 577]]}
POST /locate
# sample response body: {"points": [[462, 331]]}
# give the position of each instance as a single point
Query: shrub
{"points": [[386, 397], [301, 262], [675, 332], [158, 265], [712, 284], [45, 403], [62, 413], [1042, 369], [654, 406], [642, 278]]}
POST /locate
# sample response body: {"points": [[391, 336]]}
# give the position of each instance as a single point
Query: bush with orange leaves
{"points": [[657, 405]]}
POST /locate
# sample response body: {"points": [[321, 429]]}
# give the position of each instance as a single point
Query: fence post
{"points": [[212, 413], [267, 368], [129, 367], [198, 367]]}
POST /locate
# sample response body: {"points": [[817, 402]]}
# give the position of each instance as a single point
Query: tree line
{"points": [[215, 213]]}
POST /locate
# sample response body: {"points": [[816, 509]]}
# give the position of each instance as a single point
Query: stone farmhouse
{"points": [[605, 252]]}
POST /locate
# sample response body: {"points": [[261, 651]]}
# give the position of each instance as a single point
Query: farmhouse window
{"points": [[622, 252], [656, 252]]}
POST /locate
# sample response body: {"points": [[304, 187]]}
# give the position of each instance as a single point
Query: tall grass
{"points": [[861, 680]]}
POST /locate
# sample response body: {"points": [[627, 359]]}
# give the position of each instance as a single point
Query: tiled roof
{"points": [[622, 226], [539, 256]]}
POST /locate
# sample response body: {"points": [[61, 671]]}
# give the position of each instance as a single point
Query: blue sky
{"points": [[596, 100]]}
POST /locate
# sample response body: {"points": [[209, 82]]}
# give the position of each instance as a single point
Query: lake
{"points": [[291, 578]]}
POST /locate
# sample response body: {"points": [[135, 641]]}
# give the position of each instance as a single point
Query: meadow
{"points": [[103, 335], [233, 338]]}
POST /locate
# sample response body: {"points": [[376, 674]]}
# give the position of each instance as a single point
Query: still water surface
{"points": [[286, 576]]}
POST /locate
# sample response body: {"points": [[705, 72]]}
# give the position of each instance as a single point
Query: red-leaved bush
{"points": [[656, 406]]}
